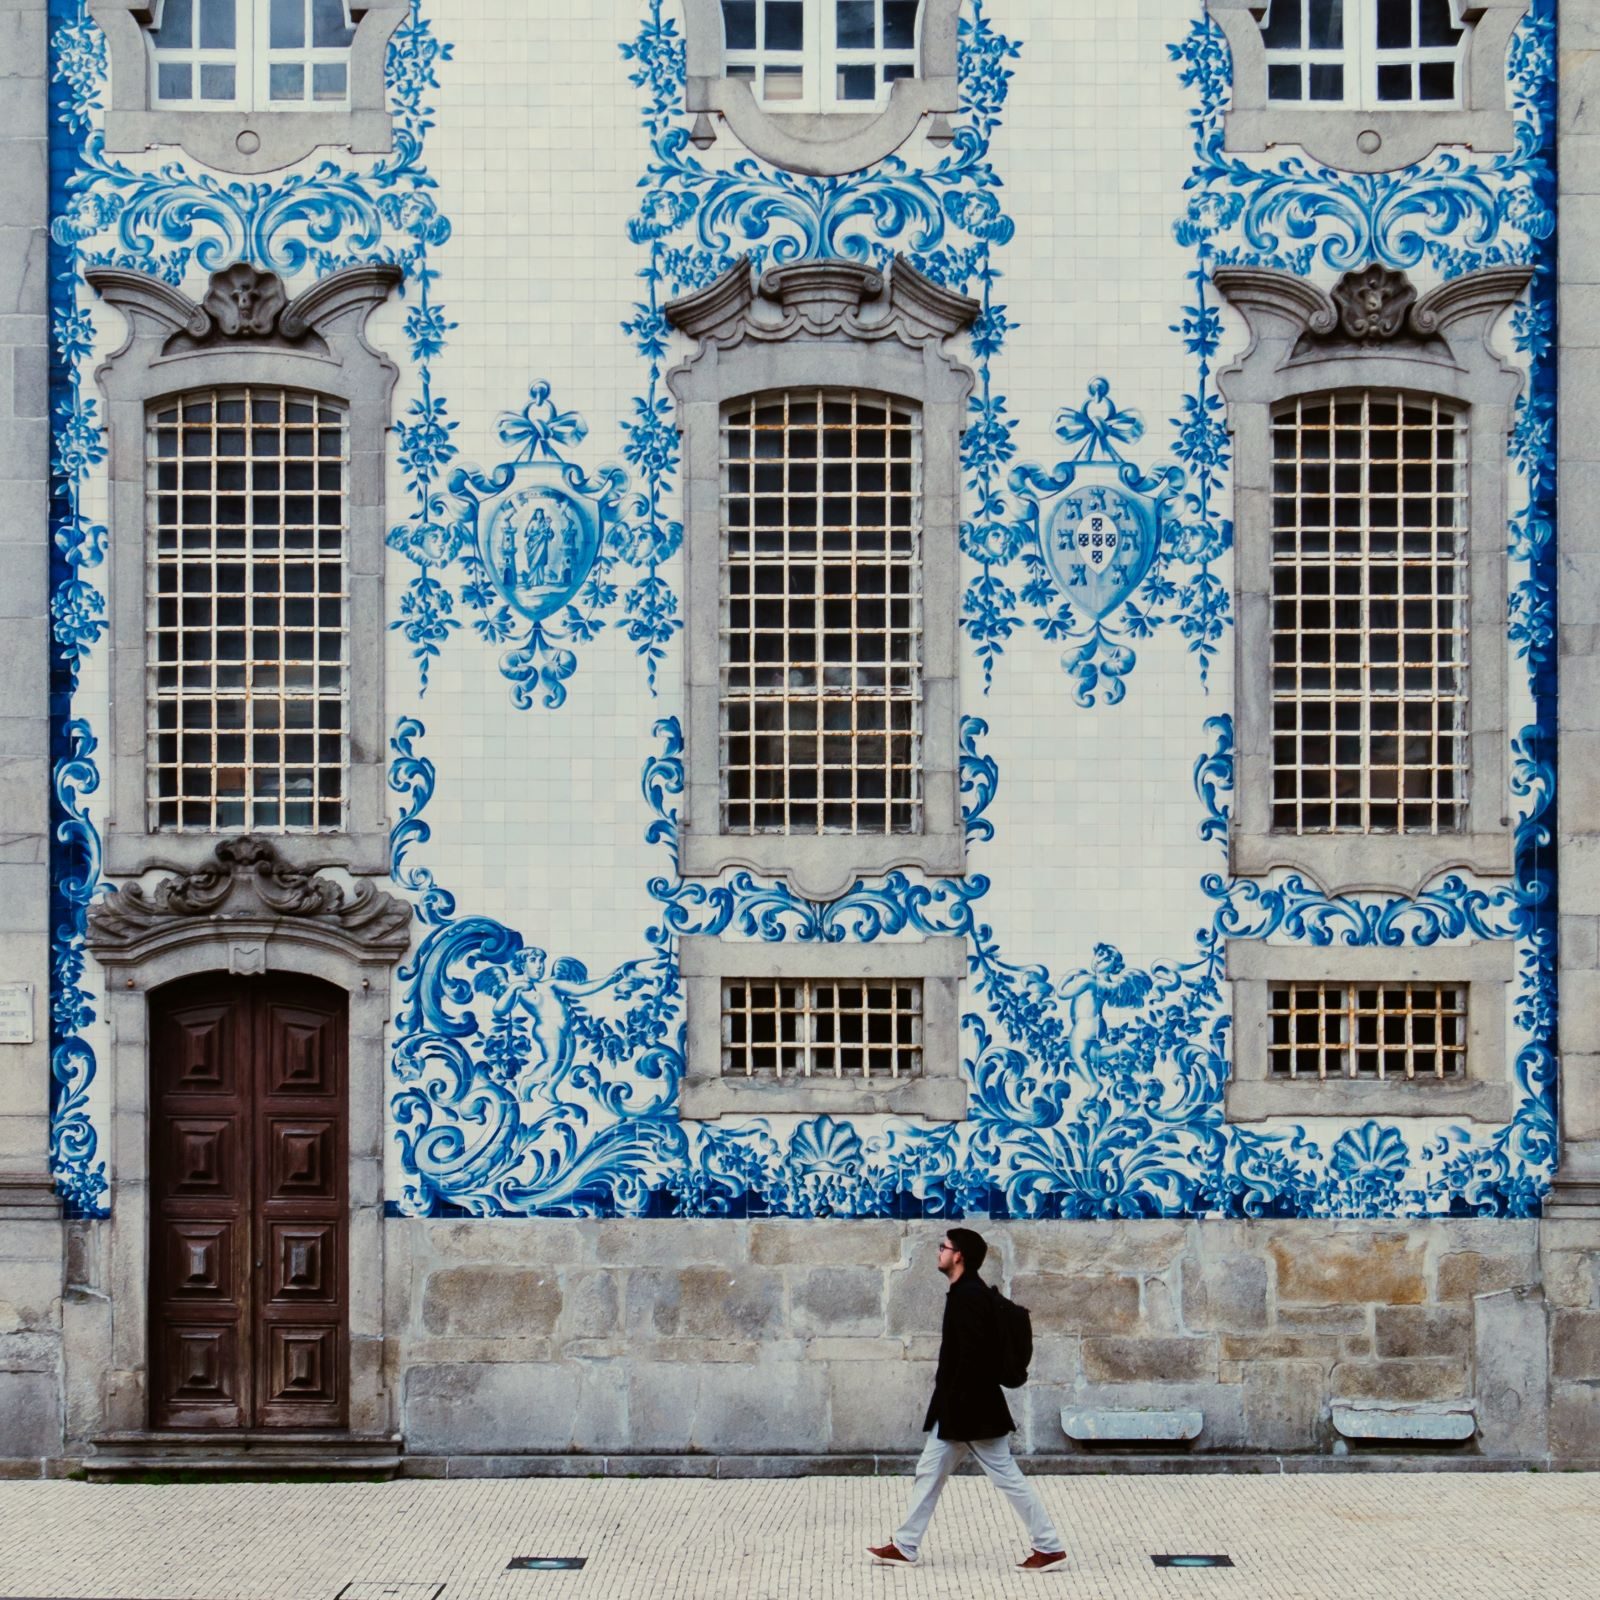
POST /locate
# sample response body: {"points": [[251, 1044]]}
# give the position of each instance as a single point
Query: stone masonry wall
{"points": [[818, 1339]]}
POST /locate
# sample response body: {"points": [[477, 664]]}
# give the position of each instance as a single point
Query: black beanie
{"points": [[971, 1246]]}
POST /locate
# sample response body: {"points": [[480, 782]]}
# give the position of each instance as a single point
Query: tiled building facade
{"points": [[653, 649]]}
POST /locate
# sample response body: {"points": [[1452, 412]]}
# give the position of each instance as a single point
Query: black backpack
{"points": [[1013, 1341]]}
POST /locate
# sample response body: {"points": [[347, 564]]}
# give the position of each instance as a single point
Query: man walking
{"points": [[968, 1412]]}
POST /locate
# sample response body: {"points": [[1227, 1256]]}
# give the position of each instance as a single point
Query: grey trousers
{"points": [[941, 1457]]}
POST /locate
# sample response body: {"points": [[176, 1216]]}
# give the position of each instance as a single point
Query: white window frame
{"points": [[819, 134], [821, 58], [1361, 56], [1375, 136], [253, 58], [238, 137]]}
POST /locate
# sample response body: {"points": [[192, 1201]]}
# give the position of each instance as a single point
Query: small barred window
{"points": [[821, 692], [1362, 53], [251, 55], [248, 663], [1342, 1030], [813, 1029], [1369, 630], [820, 55]]}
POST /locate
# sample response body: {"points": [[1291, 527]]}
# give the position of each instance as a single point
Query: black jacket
{"points": [[967, 1402]]}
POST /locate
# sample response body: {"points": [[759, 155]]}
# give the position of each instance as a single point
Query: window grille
{"points": [[820, 55], [251, 54], [1362, 53], [1343, 1030], [1369, 630], [248, 659], [821, 698], [811, 1028]]}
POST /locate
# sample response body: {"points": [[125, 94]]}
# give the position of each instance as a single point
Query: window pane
{"points": [[1282, 30], [327, 81], [172, 80], [328, 28], [1327, 83], [288, 25], [785, 25], [216, 82], [739, 24], [217, 24], [1394, 24], [857, 83], [1437, 80], [287, 82], [176, 30], [900, 24], [856, 25], [1283, 83], [1327, 24], [1434, 24], [1394, 83], [784, 83]]}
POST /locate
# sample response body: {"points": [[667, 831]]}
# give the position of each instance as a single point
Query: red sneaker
{"points": [[891, 1555], [1043, 1560]]}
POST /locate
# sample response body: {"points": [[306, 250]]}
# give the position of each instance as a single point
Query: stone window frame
{"points": [[244, 910], [175, 346], [233, 140], [828, 143], [938, 1093], [1371, 332], [1373, 140], [1486, 969], [828, 325]]}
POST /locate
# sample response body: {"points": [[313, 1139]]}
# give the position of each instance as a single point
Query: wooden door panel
{"points": [[248, 1204]]}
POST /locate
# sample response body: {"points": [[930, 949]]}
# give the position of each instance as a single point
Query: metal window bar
{"points": [[1367, 1031], [815, 1028], [1369, 614], [821, 681], [820, 55], [248, 659]]}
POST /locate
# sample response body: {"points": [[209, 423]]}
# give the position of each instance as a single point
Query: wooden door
{"points": [[248, 1266]]}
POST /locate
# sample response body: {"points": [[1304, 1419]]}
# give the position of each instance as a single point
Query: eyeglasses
{"points": [[949, 1247]]}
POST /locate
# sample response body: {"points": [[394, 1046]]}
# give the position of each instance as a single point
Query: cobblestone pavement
{"points": [[1413, 1536]]}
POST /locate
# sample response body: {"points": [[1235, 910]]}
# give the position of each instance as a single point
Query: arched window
{"points": [[821, 55]]}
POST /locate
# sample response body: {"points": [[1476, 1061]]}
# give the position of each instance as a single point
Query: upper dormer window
{"points": [[1362, 53], [251, 54], [820, 55]]}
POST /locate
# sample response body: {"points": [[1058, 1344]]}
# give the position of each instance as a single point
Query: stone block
{"points": [[913, 1302], [1349, 1268], [705, 1303], [782, 1243], [1221, 1404], [515, 1407], [837, 1300], [878, 1408], [30, 1415], [591, 1304], [663, 1400], [1123, 1360], [1225, 1294], [1284, 1404], [1469, 1272], [30, 1295], [1400, 1380], [1101, 1425], [1572, 1278], [1511, 1369], [479, 1302], [1088, 1248], [685, 1242], [1575, 1423], [1325, 1348], [770, 1406], [1422, 1331], [1574, 1345], [537, 1242], [1093, 1303]]}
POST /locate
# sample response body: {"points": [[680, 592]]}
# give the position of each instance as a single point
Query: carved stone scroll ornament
{"points": [[247, 884], [244, 303], [1373, 303]]}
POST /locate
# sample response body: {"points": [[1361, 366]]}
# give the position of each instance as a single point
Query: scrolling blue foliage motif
{"points": [[524, 1084]]}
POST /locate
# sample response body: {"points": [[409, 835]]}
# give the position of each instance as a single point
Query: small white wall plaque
{"points": [[16, 1013]]}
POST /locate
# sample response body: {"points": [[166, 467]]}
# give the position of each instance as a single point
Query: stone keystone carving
{"points": [[244, 301], [1373, 303], [247, 886]]}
